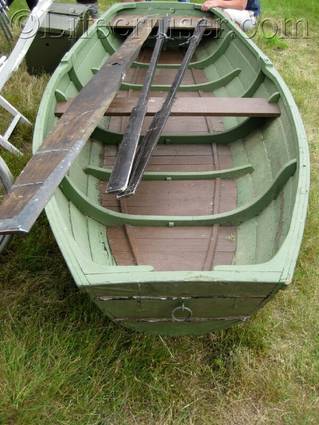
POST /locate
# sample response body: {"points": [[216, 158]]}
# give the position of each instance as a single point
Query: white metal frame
{"points": [[24, 42], [7, 67], [6, 179], [17, 117], [11, 64]]}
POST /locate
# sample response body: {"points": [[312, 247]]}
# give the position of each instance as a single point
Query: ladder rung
{"points": [[11, 127]]}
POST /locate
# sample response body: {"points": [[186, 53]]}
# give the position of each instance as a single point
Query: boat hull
{"points": [[182, 308], [215, 230]]}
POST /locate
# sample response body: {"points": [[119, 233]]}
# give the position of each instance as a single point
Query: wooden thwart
{"points": [[46, 169], [192, 106]]}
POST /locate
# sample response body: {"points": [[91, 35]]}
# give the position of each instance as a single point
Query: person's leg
{"points": [[244, 18]]}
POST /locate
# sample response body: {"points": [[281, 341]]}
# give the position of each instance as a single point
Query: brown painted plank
{"points": [[36, 184], [126, 20], [193, 107]]}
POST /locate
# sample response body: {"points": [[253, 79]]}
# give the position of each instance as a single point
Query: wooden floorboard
{"points": [[180, 248]]}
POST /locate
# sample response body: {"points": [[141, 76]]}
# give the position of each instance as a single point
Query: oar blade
{"points": [[46, 169]]}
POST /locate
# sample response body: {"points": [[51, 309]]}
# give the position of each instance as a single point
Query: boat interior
{"points": [[220, 186]]}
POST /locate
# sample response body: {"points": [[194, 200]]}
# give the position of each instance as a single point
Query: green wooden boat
{"points": [[215, 228]]}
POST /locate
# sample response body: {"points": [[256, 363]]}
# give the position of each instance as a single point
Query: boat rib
{"points": [[225, 137], [199, 64], [104, 173], [109, 217]]}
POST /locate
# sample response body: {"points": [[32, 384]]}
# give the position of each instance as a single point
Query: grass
{"points": [[61, 362]]}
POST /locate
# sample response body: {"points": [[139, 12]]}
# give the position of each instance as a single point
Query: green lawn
{"points": [[61, 362]]}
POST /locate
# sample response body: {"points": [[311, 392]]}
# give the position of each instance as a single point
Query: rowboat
{"points": [[214, 229]]}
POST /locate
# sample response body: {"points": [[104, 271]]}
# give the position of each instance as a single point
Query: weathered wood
{"points": [[126, 20], [122, 168], [44, 172], [192, 107], [158, 123]]}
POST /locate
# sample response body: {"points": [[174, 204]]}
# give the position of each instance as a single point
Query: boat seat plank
{"points": [[126, 20], [195, 106]]}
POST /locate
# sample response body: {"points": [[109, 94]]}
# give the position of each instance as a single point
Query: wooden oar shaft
{"points": [[46, 169], [125, 157], [160, 118]]}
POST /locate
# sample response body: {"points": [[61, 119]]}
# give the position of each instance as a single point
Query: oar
{"points": [[46, 169], [124, 161], [160, 118]]}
